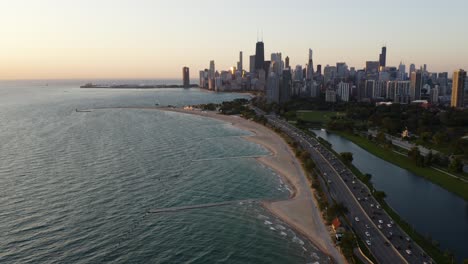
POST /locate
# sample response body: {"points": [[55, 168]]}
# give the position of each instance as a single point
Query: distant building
{"points": [[341, 70], [344, 91], [287, 63], [259, 55], [252, 64], [186, 77], [434, 95], [272, 91], [372, 70], [286, 86], [383, 57], [240, 65], [298, 73], [211, 73], [458, 85], [329, 73], [416, 85], [330, 96], [310, 66]]}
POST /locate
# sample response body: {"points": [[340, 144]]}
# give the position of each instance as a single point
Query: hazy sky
{"points": [[50, 39]]}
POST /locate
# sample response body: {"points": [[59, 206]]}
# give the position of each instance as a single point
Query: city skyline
{"points": [[123, 39]]}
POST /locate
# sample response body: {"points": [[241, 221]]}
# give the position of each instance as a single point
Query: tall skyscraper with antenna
{"points": [[259, 55]]}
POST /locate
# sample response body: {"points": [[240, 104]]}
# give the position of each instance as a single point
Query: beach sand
{"points": [[300, 211]]}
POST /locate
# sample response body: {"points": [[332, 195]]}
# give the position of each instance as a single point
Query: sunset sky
{"points": [[60, 39]]}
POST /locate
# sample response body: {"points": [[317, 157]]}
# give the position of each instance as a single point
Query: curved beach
{"points": [[300, 211]]}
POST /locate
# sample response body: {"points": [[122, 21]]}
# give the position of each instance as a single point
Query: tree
{"points": [[456, 165], [439, 138], [381, 137], [347, 157], [416, 156]]}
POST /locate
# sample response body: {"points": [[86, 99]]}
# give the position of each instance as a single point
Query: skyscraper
{"points": [[458, 85], [287, 63], [252, 64], [383, 57], [240, 64], [259, 56], [310, 66], [412, 68], [401, 72], [186, 77], [211, 73], [416, 85]]}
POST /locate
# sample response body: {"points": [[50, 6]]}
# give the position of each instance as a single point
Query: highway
{"points": [[387, 242]]}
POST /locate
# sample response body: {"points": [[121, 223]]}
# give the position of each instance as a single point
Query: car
{"points": [[367, 226], [391, 222], [356, 219], [359, 198], [329, 181], [408, 252], [380, 222], [379, 226], [371, 205], [367, 234], [368, 242], [354, 182], [408, 239], [378, 207], [389, 225]]}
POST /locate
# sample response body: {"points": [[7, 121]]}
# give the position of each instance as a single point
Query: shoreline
{"points": [[299, 210]]}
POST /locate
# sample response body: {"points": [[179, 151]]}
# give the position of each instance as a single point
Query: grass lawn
{"points": [[451, 184], [315, 116]]}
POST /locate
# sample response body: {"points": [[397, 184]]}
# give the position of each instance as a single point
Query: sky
{"points": [[154, 39]]}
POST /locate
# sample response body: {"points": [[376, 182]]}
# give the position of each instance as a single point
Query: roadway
{"points": [[387, 242]]}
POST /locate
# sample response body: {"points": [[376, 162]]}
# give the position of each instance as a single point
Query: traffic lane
{"points": [[358, 211], [416, 252], [385, 255]]}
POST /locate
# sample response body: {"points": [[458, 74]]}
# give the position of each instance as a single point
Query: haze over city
{"points": [[54, 39]]}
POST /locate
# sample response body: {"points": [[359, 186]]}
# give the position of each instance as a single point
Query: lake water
{"points": [[76, 186], [429, 208]]}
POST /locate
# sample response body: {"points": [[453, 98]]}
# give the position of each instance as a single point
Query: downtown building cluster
{"points": [[377, 82]]}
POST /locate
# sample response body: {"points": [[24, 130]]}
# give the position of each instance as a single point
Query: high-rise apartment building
{"points": [[240, 66], [186, 77], [416, 85], [458, 88]]}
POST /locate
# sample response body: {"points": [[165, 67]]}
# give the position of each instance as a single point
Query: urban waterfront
{"points": [[430, 209], [77, 186]]}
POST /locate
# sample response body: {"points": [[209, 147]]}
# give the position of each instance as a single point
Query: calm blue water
{"points": [[76, 187], [429, 208]]}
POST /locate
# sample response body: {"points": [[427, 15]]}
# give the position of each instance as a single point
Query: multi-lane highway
{"points": [[387, 241]]}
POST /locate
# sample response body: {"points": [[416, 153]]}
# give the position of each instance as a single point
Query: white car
{"points": [[368, 242], [378, 207], [408, 252], [367, 234], [371, 205], [379, 226], [356, 219], [389, 225], [380, 222]]}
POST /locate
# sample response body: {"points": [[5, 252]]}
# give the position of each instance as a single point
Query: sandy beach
{"points": [[300, 211]]}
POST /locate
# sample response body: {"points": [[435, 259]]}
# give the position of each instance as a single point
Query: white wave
{"points": [[280, 227], [267, 222], [283, 233]]}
